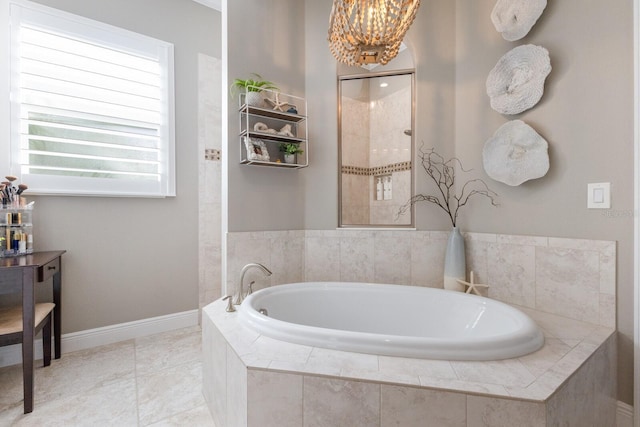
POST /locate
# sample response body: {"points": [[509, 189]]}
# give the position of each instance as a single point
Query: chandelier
{"points": [[369, 31]]}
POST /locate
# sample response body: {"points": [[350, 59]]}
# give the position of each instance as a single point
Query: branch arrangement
{"points": [[443, 174]]}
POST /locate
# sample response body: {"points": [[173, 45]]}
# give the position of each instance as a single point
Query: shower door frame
{"points": [[412, 73], [636, 234]]}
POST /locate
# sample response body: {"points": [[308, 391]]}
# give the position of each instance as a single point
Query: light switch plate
{"points": [[599, 195]]}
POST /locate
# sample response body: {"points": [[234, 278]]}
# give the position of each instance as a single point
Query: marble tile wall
{"points": [[209, 178], [573, 278], [214, 371], [569, 277], [390, 116], [282, 252], [384, 212], [355, 152], [355, 133], [374, 137], [323, 401], [355, 192], [588, 398]]}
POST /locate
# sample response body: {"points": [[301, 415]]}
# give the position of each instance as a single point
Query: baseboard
{"points": [[12, 355], [624, 415]]}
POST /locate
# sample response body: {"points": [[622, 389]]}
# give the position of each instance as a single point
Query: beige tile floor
{"points": [[150, 381]]}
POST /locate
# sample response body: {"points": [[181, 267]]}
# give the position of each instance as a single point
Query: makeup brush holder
{"points": [[16, 230]]}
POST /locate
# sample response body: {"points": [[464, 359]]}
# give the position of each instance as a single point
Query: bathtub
{"points": [[391, 320]]}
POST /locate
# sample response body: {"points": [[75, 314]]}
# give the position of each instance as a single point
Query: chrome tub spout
{"points": [[241, 294]]}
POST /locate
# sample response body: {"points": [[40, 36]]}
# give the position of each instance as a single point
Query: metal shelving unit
{"points": [[263, 128]]}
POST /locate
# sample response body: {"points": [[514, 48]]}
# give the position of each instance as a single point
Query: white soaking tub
{"points": [[392, 320]]}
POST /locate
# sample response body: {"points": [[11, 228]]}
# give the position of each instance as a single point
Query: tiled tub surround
{"points": [[209, 178], [253, 380], [570, 277], [566, 285]]}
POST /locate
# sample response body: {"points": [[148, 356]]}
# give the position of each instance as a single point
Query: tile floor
{"points": [[150, 381]]}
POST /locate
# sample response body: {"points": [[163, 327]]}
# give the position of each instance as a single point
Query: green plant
{"points": [[256, 84], [290, 148]]}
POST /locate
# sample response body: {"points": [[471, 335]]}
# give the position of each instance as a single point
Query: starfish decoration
{"points": [[471, 286], [276, 103]]}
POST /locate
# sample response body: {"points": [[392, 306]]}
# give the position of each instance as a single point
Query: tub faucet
{"points": [[247, 267]]}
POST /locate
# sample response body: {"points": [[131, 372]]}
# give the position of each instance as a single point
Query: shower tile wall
{"points": [[209, 177], [570, 277], [375, 139], [389, 118], [355, 188]]}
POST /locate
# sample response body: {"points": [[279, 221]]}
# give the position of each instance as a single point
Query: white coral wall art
{"points": [[516, 83], [516, 153], [515, 18]]}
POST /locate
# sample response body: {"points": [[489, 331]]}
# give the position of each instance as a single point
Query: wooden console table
{"points": [[20, 275]]}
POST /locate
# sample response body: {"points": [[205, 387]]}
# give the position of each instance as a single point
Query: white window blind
{"points": [[92, 106]]}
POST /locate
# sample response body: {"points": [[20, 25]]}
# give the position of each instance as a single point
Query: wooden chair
{"points": [[11, 333]]}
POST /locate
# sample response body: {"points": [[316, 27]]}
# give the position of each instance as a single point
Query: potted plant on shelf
{"points": [[290, 150], [252, 88]]}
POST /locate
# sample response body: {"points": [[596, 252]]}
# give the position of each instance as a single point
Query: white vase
{"points": [[290, 158], [454, 261], [255, 99]]}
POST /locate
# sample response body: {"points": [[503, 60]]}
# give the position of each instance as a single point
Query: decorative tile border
{"points": [[379, 170], [212, 154]]}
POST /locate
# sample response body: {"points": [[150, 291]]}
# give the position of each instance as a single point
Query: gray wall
{"points": [[265, 37], [131, 258], [586, 115], [431, 39], [321, 86]]}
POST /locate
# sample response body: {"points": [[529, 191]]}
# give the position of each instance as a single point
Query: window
{"points": [[91, 106]]}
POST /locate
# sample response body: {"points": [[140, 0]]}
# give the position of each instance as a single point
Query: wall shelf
{"points": [[274, 114], [272, 137], [263, 129], [273, 164]]}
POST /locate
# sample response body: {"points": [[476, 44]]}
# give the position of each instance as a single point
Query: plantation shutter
{"points": [[91, 105]]}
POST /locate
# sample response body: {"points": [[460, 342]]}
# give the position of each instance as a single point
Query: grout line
{"points": [[304, 377], [380, 404], [135, 379]]}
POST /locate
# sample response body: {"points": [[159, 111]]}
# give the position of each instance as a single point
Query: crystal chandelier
{"points": [[369, 31]]}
